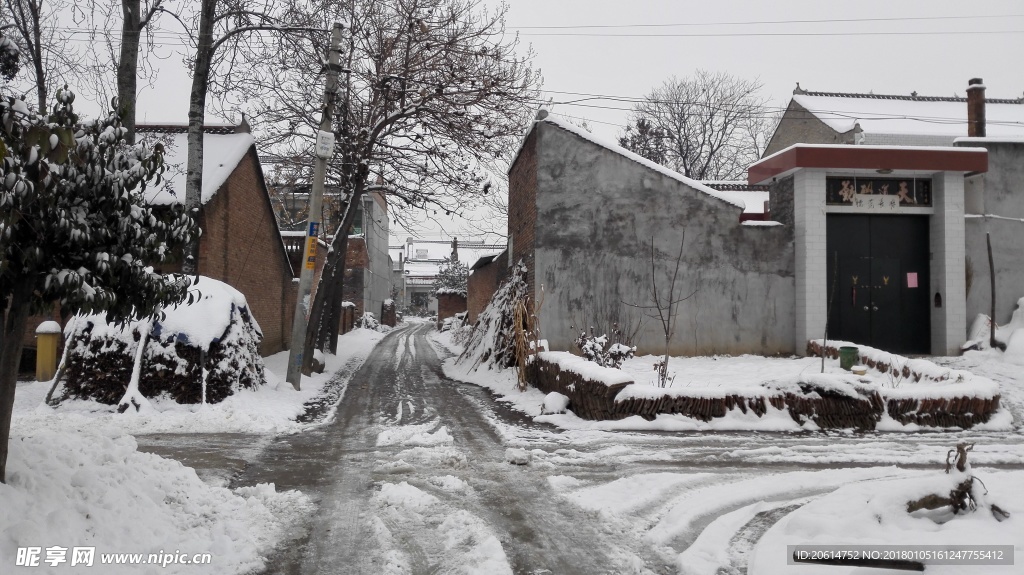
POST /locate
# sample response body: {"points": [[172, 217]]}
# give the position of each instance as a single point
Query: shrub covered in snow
{"points": [[603, 351], [200, 351], [369, 321]]}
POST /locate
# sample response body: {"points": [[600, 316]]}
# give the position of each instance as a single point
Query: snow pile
{"points": [[897, 367], [1010, 335], [517, 456], [415, 435], [84, 490], [554, 402], [213, 324]]}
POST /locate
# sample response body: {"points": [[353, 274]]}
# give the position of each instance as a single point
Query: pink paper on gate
{"points": [[912, 279]]}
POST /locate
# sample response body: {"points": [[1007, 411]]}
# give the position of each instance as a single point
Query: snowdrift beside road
{"points": [[87, 490]]}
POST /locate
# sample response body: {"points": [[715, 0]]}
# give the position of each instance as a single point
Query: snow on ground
{"points": [[716, 375], [269, 409], [711, 523], [874, 513], [450, 539], [91, 490]]}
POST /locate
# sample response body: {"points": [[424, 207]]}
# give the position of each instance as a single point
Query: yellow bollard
{"points": [[47, 341]]}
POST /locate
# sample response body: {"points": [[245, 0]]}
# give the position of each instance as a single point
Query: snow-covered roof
{"points": [[221, 154], [613, 147], [910, 115], [982, 140]]}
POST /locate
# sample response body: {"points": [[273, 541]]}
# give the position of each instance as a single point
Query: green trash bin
{"points": [[848, 356]]}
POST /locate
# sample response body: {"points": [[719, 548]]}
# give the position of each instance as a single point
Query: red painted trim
{"points": [[867, 158]]}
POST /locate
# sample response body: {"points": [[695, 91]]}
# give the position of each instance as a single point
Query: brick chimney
{"points": [[975, 108], [455, 248]]}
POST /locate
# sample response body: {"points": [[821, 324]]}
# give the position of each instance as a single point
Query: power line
{"points": [[759, 22], [771, 34]]}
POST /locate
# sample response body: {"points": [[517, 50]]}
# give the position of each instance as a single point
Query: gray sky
{"points": [[930, 46]]}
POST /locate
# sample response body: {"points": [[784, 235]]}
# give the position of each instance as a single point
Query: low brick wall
{"points": [[449, 304], [861, 408], [588, 399]]}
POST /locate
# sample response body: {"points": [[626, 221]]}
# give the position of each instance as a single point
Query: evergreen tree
{"points": [[452, 278], [75, 229]]}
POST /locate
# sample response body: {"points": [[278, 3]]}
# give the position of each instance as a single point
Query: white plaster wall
{"points": [[811, 263], [949, 323]]}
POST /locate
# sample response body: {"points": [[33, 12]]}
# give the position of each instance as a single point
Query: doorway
{"points": [[879, 267]]}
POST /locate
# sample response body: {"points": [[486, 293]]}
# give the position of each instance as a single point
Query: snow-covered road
{"points": [[411, 476]]}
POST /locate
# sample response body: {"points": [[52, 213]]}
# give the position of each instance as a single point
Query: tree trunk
{"points": [[128, 65], [15, 324], [196, 119], [992, 281], [334, 271]]}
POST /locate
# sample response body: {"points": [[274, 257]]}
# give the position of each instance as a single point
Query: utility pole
{"points": [[324, 151]]}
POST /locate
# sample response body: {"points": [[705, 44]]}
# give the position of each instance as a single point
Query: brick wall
{"points": [[241, 246], [483, 282], [522, 206], [357, 259], [448, 305]]}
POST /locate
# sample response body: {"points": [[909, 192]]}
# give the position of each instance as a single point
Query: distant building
{"points": [[418, 262], [892, 119]]}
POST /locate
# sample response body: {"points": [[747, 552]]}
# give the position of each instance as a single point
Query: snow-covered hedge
{"points": [[214, 323], [492, 343]]}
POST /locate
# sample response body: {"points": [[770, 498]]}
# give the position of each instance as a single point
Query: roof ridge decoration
{"points": [[913, 97], [219, 129]]}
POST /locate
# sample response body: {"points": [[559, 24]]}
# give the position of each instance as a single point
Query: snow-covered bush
{"points": [[602, 351], [493, 340], [200, 351], [369, 321]]}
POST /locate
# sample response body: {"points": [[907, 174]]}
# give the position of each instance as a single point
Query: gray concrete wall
{"points": [[597, 212], [377, 283], [799, 126], [1002, 194]]}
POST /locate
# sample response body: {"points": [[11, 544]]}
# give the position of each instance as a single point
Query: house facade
{"points": [[894, 120], [598, 228], [368, 276], [878, 242], [241, 244], [993, 206]]}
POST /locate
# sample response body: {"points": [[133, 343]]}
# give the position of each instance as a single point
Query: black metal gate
{"points": [[882, 281]]}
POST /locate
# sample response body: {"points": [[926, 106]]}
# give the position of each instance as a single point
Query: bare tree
{"points": [[433, 91], [136, 17], [713, 125], [47, 51], [664, 306], [220, 33]]}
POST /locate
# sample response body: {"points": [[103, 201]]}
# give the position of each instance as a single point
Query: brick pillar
{"points": [[975, 108]]}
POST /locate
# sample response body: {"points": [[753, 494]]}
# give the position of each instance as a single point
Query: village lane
{"points": [[411, 476], [450, 472]]}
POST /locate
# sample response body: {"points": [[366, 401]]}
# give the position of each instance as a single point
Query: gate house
{"points": [[879, 232]]}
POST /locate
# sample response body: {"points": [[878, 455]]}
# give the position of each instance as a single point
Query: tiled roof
{"points": [[730, 186], [183, 128], [913, 97]]}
